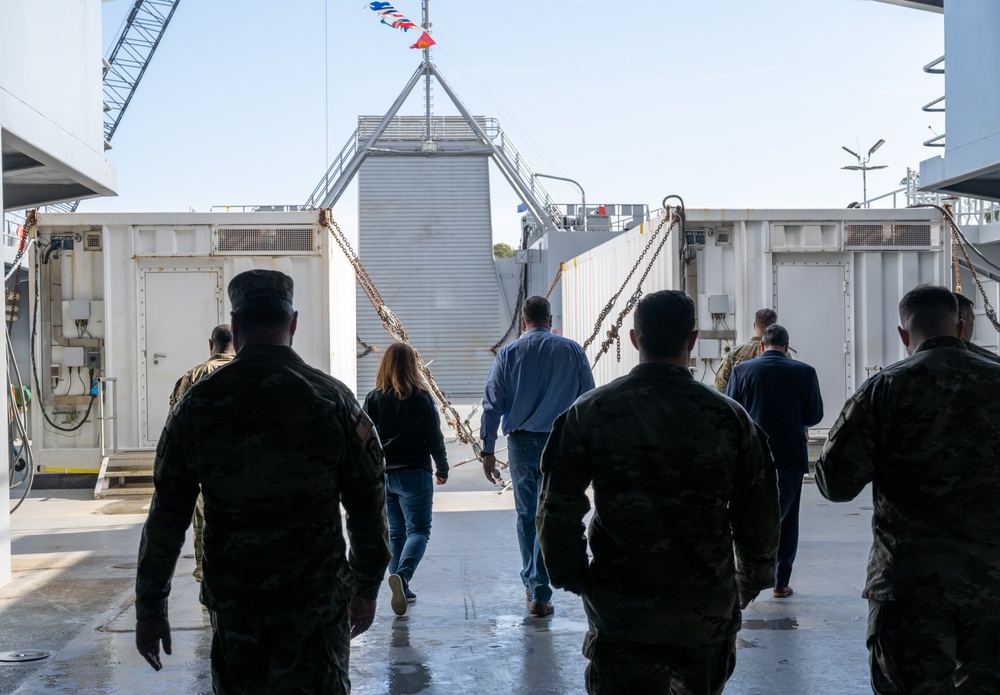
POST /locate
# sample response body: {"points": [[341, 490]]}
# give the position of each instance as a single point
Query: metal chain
{"points": [[555, 281], [991, 313], [614, 333], [368, 348], [673, 217], [395, 329], [516, 314], [954, 262]]}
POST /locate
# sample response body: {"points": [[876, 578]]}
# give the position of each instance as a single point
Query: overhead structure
{"points": [[493, 144], [125, 65], [424, 202]]}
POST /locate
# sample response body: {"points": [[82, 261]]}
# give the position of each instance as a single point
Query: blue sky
{"points": [[727, 103]]}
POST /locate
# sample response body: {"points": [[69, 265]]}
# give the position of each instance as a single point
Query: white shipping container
{"points": [[835, 278], [154, 285]]}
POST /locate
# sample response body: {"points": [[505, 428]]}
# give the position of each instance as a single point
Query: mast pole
{"points": [[426, 25]]}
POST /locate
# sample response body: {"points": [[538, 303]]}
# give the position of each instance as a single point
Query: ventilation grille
{"points": [[724, 236], [266, 240], [890, 235], [92, 241]]}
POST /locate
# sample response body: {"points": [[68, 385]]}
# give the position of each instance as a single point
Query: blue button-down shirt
{"points": [[533, 381]]}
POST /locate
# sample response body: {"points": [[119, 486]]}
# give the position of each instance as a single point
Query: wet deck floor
{"points": [[468, 632]]}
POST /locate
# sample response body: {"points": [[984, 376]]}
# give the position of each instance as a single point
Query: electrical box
{"points": [[93, 356], [74, 357], [79, 309], [710, 349], [718, 303]]}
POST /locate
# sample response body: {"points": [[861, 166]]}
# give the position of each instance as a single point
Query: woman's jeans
{"points": [[409, 494]]}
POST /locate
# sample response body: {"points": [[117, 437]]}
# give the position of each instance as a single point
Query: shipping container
{"points": [[125, 304], [834, 277]]}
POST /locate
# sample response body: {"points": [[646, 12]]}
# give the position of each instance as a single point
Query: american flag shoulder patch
{"points": [[364, 425]]}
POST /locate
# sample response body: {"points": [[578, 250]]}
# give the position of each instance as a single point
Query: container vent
{"points": [[724, 236], [266, 240], [890, 235], [92, 241]]}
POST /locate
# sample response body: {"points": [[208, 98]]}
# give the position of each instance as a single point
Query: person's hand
{"points": [[490, 468], [439, 480], [362, 613], [746, 598], [148, 634]]}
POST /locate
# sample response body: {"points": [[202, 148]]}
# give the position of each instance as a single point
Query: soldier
{"points": [[220, 347], [782, 396], [681, 479], [221, 351], [967, 314], [747, 351], [277, 448], [533, 380], [924, 433]]}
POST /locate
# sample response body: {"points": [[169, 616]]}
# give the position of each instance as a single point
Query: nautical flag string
{"points": [[392, 17]]}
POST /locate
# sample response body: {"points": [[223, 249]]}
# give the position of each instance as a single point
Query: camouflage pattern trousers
{"points": [[617, 667], [272, 652], [923, 649], [197, 534]]}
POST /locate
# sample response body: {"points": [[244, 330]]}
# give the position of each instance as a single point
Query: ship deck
{"points": [[469, 632]]}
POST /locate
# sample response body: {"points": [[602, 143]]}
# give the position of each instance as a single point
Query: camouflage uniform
{"points": [[200, 372], [180, 388], [277, 447], [983, 352], [925, 433], [681, 478], [746, 351]]}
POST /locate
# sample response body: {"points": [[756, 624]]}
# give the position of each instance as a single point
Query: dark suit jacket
{"points": [[782, 396]]}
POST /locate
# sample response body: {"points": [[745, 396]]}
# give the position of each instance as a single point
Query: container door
{"points": [[178, 308], [812, 303]]}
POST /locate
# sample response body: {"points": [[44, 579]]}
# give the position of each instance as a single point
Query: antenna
{"points": [[426, 25]]}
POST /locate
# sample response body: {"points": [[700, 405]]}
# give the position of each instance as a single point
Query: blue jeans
{"points": [[409, 494], [524, 452]]}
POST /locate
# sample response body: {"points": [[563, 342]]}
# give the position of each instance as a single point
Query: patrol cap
{"points": [[255, 285]]}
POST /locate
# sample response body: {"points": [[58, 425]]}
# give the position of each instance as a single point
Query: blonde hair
{"points": [[399, 372]]}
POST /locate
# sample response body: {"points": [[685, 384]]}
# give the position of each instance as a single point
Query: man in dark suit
{"points": [[782, 396]]}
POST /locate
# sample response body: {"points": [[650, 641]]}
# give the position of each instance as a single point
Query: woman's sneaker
{"points": [[398, 587]]}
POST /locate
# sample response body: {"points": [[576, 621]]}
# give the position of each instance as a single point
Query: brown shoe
{"points": [[540, 609], [783, 591]]}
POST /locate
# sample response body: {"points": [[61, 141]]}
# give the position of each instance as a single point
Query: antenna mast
{"points": [[426, 25]]}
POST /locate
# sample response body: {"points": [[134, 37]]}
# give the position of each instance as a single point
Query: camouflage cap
{"points": [[254, 285]]}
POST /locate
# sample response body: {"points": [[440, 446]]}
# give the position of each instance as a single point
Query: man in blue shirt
{"points": [[533, 381], [782, 396]]}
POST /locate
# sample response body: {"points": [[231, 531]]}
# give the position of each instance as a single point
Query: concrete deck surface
{"points": [[468, 632]]}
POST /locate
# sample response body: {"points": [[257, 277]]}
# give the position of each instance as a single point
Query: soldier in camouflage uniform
{"points": [[925, 433], [747, 351], [685, 528], [277, 448], [967, 313], [220, 347]]}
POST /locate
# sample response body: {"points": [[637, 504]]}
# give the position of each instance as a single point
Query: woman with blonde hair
{"points": [[409, 428]]}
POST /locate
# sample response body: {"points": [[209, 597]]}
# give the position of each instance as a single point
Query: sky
{"points": [[727, 103]]}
